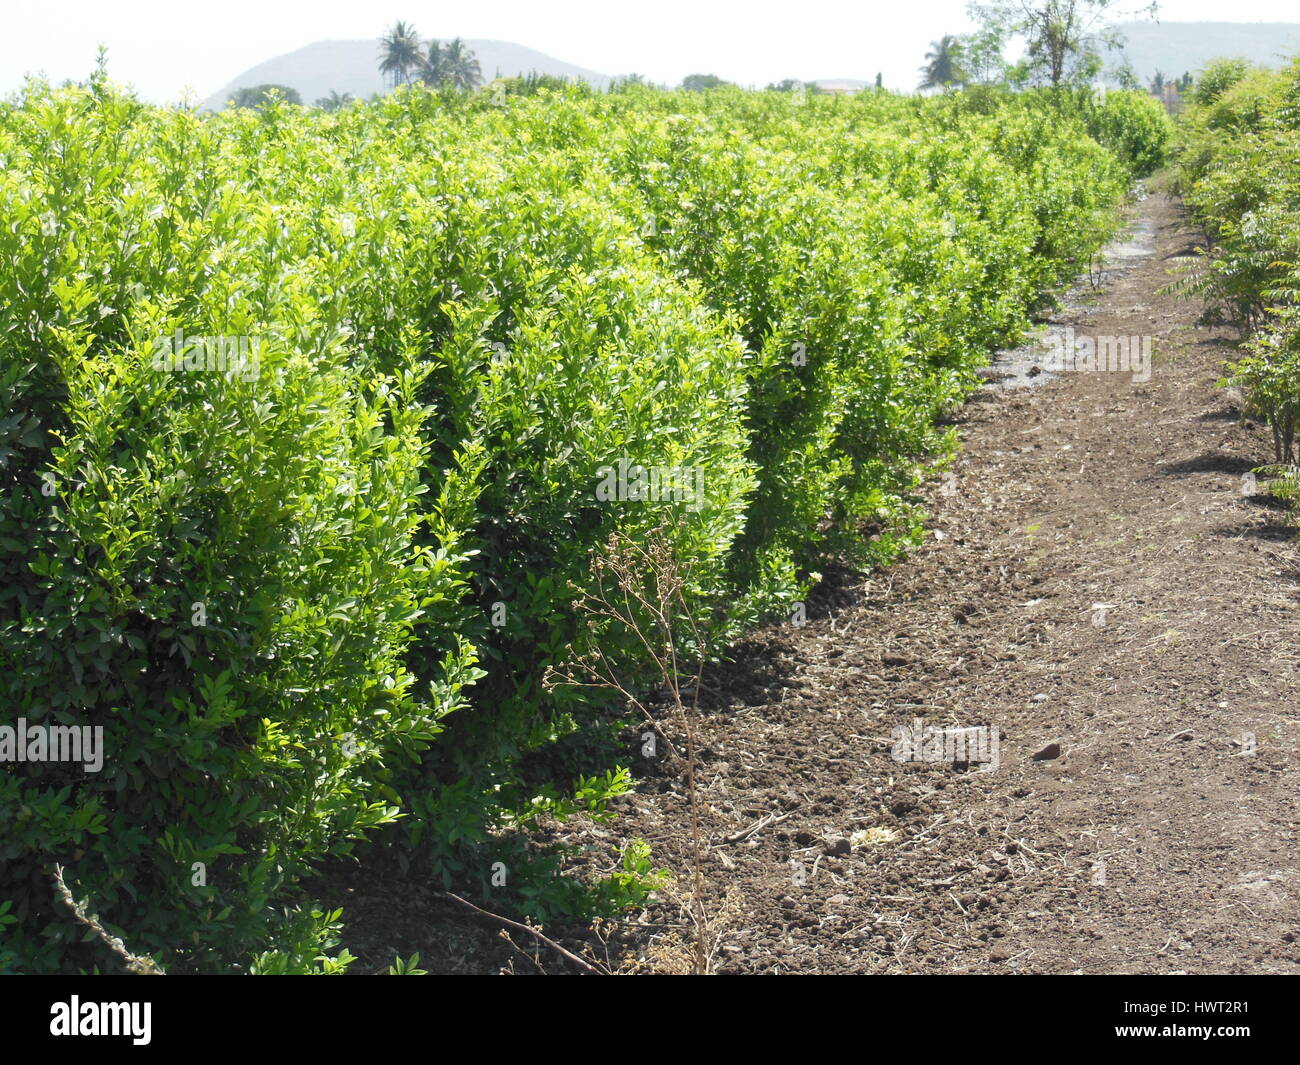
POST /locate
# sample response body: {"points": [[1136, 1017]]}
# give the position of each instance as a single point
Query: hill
{"points": [[353, 67], [1175, 47]]}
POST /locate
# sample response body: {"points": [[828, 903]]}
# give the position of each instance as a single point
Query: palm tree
{"points": [[460, 66], [335, 101], [433, 69], [943, 64], [400, 53]]}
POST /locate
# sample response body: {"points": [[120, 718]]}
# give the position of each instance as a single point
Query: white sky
{"points": [[163, 47]]}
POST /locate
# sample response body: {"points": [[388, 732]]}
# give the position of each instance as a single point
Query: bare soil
{"points": [[1092, 577]]}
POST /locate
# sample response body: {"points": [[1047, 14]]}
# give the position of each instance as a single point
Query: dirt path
{"points": [[1157, 842]]}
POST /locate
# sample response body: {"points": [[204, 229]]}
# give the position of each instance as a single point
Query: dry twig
{"points": [[141, 966]]}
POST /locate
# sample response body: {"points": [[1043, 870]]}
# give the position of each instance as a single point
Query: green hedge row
{"points": [[1239, 171]]}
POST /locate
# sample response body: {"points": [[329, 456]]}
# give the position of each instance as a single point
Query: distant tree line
{"points": [[259, 95], [1065, 42]]}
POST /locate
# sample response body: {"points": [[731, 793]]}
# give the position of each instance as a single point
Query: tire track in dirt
{"points": [[1163, 838]]}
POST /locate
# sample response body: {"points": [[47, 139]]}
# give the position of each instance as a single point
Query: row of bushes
{"points": [[311, 598], [1239, 170]]}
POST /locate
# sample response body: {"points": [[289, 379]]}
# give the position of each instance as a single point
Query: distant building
{"points": [[841, 88], [1172, 98]]}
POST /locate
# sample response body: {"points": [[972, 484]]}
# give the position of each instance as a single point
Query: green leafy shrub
{"points": [[1135, 127], [1238, 171], [217, 569], [1217, 78]]}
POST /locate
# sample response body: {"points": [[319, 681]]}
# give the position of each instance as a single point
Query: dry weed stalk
{"points": [[640, 589], [141, 966]]}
